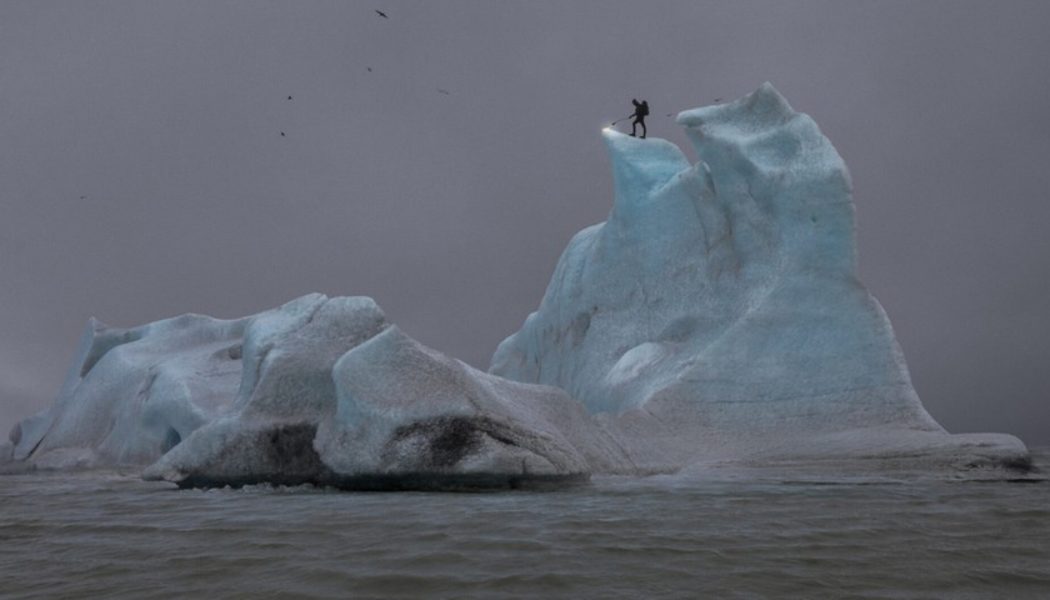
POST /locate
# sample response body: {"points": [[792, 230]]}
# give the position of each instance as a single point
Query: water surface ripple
{"points": [[113, 536]]}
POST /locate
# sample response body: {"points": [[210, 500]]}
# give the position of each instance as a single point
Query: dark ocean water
{"points": [[112, 536]]}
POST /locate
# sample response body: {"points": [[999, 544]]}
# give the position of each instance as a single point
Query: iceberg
{"points": [[714, 322], [390, 414], [717, 314]]}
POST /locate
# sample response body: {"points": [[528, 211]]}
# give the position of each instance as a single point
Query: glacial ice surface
{"points": [[715, 321]]}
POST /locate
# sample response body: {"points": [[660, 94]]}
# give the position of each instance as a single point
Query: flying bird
{"points": [[369, 69], [83, 197], [441, 91], [718, 99], [381, 14], [282, 134], [289, 97]]}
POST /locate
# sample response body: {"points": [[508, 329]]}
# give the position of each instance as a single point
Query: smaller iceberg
{"points": [[393, 414]]}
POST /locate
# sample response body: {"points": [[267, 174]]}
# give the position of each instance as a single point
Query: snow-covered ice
{"points": [[716, 319]]}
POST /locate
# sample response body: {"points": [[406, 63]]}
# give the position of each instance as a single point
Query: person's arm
{"points": [[635, 102]]}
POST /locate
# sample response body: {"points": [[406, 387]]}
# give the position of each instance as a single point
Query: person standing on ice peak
{"points": [[641, 110]]}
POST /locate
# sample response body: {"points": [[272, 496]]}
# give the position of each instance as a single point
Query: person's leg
{"points": [[634, 124], [642, 121]]}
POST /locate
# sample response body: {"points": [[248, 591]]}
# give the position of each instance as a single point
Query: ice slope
{"points": [[132, 394], [404, 409], [717, 313]]}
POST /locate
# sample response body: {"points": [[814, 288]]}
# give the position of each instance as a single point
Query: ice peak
{"points": [[641, 165], [761, 109]]}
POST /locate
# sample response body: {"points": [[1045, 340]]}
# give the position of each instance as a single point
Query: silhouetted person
{"points": [[641, 110]]}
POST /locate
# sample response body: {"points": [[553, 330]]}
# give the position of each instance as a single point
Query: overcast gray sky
{"points": [[143, 174]]}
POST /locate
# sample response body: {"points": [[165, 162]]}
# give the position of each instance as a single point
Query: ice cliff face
{"points": [[716, 318]]}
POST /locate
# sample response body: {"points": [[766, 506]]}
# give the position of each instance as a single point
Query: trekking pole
{"points": [[623, 119]]}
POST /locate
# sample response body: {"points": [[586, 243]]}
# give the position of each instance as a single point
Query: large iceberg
{"points": [[715, 320], [717, 313]]}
